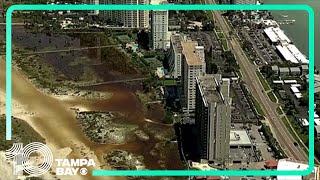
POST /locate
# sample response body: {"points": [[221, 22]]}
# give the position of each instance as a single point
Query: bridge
{"points": [[69, 49], [112, 82]]}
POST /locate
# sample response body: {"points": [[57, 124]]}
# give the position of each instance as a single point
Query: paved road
{"points": [[282, 134]]}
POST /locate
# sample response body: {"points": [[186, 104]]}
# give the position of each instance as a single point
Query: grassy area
{"points": [[258, 107], [264, 83], [21, 132], [272, 142], [279, 111], [220, 35], [169, 82], [295, 128], [124, 38], [272, 97], [224, 43], [222, 38]]}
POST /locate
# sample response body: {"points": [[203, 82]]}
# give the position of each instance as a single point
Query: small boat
{"points": [[285, 16]]}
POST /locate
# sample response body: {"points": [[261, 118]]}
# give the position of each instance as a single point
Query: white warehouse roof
{"points": [[297, 54], [239, 138], [291, 53], [284, 165], [287, 54], [278, 82], [276, 35], [298, 95], [295, 85], [290, 81], [295, 89]]}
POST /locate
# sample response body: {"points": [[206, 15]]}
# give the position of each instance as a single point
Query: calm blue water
{"points": [[298, 32]]}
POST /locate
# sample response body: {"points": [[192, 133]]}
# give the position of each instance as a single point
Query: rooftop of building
{"points": [[284, 69], [176, 40], [276, 34], [271, 164], [305, 67], [289, 165], [239, 138], [276, 68], [202, 166], [209, 87], [294, 69], [189, 49]]}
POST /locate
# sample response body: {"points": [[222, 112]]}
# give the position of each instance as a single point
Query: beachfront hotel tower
{"points": [[159, 26], [193, 65], [213, 117]]}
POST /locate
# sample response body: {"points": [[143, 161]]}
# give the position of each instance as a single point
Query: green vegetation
{"points": [[224, 44], [21, 133], [232, 64], [257, 107], [124, 38], [44, 75], [254, 104], [279, 111], [169, 118], [293, 126], [272, 97], [222, 39], [169, 82], [264, 83], [272, 142]]}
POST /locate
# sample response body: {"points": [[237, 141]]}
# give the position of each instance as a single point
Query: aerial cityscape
{"points": [[157, 90]]}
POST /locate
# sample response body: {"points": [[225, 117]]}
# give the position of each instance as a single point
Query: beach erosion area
{"points": [[52, 107]]}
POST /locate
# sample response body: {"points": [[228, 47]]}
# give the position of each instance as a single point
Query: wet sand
{"points": [[53, 119]]}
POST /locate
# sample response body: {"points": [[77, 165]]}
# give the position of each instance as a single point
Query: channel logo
{"points": [[21, 158]]}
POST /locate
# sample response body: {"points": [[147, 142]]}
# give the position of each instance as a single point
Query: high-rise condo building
{"points": [[175, 55], [213, 117], [94, 2], [128, 18], [193, 65], [159, 26]]}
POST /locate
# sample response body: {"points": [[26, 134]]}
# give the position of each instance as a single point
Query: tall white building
{"points": [[193, 65], [213, 116], [159, 26], [94, 2], [175, 55], [128, 18]]}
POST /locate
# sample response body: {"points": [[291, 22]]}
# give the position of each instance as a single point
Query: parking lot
{"points": [[242, 106], [261, 144], [265, 51]]}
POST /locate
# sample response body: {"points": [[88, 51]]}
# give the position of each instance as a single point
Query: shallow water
{"points": [[57, 123]]}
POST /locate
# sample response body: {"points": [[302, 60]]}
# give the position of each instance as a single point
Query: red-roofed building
{"points": [[271, 164]]}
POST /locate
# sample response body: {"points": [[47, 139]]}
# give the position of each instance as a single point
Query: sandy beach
{"points": [[53, 119]]}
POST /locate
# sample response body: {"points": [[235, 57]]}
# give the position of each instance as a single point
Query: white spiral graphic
{"points": [[13, 151], [36, 147]]}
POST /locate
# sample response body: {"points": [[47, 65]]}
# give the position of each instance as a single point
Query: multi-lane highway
{"points": [[249, 76]]}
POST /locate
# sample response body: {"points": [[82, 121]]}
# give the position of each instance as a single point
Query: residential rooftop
{"points": [[176, 40], [190, 51], [209, 87]]}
